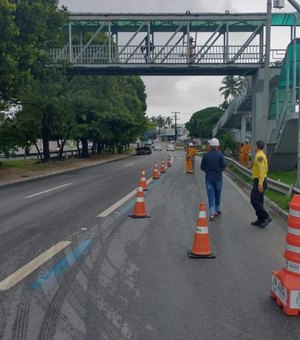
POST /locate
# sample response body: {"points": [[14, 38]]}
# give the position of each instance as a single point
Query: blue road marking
{"points": [[65, 264]]}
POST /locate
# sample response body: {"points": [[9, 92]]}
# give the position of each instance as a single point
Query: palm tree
{"points": [[160, 122], [232, 86], [169, 121]]}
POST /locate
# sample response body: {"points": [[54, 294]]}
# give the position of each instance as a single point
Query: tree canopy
{"points": [[27, 29], [109, 111], [202, 122]]}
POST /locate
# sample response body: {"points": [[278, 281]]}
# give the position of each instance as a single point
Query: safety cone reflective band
{"points": [[169, 162], [139, 210], [143, 181], [286, 283], [155, 174], [201, 245], [162, 167]]}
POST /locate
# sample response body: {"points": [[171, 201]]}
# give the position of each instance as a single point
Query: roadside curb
{"points": [[55, 173]]}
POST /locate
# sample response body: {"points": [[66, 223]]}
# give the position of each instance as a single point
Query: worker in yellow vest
{"points": [[191, 152], [241, 153], [247, 150]]}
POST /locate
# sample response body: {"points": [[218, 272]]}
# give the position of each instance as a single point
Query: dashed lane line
{"points": [[120, 202], [127, 165], [28, 268], [46, 191]]}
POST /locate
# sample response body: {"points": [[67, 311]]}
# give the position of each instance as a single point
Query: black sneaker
{"points": [[212, 217], [218, 213], [256, 223], [265, 222]]}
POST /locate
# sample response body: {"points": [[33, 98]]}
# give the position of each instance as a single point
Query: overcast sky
{"points": [[181, 94]]}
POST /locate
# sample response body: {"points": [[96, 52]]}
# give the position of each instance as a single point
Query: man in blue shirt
{"points": [[213, 164]]}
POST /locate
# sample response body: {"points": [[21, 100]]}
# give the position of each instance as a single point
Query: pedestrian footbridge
{"points": [[198, 44], [168, 44]]}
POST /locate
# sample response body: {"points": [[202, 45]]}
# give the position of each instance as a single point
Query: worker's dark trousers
{"points": [[257, 200]]}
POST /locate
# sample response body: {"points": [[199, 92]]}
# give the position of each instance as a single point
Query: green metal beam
{"points": [[242, 22]]}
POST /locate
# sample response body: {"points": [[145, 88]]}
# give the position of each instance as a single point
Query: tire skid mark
{"points": [[20, 325], [44, 303], [106, 328], [52, 315]]}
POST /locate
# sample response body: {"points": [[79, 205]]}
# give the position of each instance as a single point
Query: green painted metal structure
{"points": [[169, 44]]}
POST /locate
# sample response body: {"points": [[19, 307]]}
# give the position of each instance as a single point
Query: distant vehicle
{"points": [[156, 140], [143, 150], [157, 147], [170, 147]]}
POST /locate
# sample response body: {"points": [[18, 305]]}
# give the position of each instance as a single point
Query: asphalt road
{"points": [[67, 273]]}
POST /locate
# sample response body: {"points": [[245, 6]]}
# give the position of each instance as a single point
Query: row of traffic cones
{"points": [[201, 244], [163, 168], [139, 210]]}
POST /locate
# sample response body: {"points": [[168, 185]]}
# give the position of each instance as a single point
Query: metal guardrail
{"points": [[159, 54], [274, 185], [53, 154]]}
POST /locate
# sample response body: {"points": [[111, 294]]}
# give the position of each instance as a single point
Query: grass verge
{"points": [[278, 198]]}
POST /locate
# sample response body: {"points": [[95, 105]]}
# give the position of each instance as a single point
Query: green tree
{"points": [[202, 122], [168, 121], [27, 29], [228, 142], [231, 86], [8, 50]]}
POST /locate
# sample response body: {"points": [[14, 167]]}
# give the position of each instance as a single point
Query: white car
{"points": [[170, 147], [157, 147]]}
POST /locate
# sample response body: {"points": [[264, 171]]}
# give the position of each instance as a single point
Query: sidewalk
{"points": [[14, 175]]}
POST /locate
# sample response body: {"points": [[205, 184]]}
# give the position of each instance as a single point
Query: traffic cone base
{"points": [[195, 256], [136, 217], [286, 291]]}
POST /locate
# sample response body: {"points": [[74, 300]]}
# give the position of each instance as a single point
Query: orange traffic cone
{"points": [[201, 244], [169, 162], [139, 210], [162, 167], [155, 174], [143, 181], [286, 282]]}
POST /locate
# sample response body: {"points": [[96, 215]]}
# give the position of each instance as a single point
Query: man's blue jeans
{"points": [[214, 190]]}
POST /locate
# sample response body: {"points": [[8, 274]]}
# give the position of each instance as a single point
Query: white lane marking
{"points": [[21, 273], [127, 165], [44, 192], [120, 202]]}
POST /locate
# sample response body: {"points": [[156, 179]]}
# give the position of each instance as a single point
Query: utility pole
{"points": [[265, 109], [175, 116]]}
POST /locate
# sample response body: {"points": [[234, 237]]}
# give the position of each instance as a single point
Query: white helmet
{"points": [[214, 142], [247, 140], [191, 144]]}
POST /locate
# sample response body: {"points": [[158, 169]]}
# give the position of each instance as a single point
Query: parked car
{"points": [[157, 147], [144, 150], [170, 147]]}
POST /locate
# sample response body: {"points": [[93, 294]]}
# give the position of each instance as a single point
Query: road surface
{"points": [[75, 266]]}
